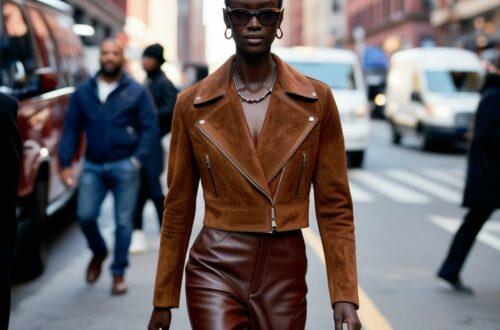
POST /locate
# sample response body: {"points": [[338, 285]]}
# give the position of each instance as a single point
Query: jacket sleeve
{"points": [[180, 205], [334, 210], [72, 130], [147, 126]]}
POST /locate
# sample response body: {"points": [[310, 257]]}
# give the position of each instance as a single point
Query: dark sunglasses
{"points": [[242, 16]]}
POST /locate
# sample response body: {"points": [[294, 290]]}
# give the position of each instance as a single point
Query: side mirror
{"points": [[416, 97], [48, 79]]}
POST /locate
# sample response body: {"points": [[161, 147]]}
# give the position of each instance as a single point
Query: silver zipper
{"points": [[302, 170], [274, 227], [298, 143], [248, 177], [212, 180]]}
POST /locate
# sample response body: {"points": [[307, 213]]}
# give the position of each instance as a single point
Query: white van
{"points": [[340, 69], [433, 93]]}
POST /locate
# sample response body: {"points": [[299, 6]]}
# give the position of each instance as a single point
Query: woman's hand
{"points": [[160, 319], [344, 312]]}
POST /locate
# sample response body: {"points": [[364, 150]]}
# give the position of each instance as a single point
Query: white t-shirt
{"points": [[104, 89]]}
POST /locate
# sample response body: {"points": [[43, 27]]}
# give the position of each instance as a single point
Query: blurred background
{"points": [[407, 78]]}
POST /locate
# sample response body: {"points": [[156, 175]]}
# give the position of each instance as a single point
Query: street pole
{"points": [[358, 35]]}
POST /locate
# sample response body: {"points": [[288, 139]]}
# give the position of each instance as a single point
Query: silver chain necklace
{"points": [[259, 99]]}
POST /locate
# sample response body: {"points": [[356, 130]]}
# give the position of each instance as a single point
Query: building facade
{"points": [[389, 24], [318, 23], [473, 24], [337, 23], [292, 25], [191, 31], [148, 22], [107, 17]]}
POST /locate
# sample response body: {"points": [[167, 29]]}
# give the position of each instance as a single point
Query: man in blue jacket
{"points": [[118, 118]]}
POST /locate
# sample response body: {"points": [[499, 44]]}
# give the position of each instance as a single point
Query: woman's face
{"points": [[254, 37]]}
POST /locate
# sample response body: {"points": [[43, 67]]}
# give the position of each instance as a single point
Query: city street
{"points": [[406, 206]]}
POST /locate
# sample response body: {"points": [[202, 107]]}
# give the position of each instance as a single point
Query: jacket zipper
{"points": [[274, 227], [302, 170], [212, 180], [249, 178]]}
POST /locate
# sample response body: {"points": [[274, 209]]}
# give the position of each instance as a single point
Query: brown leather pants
{"points": [[247, 281]]}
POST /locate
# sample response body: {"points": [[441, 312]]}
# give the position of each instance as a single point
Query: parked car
{"points": [[433, 93], [41, 61], [340, 69]]}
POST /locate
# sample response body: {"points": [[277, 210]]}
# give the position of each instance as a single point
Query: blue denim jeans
{"points": [[122, 179]]}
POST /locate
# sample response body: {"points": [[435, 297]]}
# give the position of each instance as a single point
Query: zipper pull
{"points": [[304, 160], [207, 161], [273, 219]]}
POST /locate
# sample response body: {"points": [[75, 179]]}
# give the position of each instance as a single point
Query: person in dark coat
{"points": [[164, 94], [162, 89], [482, 190], [11, 147]]}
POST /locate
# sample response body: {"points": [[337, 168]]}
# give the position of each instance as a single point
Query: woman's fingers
{"points": [[353, 324], [339, 319]]}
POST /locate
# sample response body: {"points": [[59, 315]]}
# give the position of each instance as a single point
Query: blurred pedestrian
{"points": [[11, 147], [164, 94], [162, 89], [258, 134], [118, 117], [482, 190]]}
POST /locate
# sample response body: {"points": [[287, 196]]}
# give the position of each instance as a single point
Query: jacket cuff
{"points": [[64, 163], [165, 301], [136, 162], [354, 303]]}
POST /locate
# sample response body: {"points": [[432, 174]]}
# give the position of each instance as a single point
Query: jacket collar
{"points": [[215, 86], [286, 125], [124, 79], [122, 82]]}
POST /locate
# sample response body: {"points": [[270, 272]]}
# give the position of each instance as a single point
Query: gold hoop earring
{"points": [[225, 34], [280, 35]]}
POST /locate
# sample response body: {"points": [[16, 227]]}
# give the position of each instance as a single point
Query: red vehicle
{"points": [[41, 61]]}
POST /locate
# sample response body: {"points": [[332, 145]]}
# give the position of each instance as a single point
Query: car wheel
{"points": [[356, 158], [395, 135], [30, 252], [428, 143]]}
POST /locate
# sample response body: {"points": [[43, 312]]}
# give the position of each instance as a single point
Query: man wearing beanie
{"points": [[165, 95]]}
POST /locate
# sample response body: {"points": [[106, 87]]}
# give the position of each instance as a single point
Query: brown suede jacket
{"points": [[263, 188]]}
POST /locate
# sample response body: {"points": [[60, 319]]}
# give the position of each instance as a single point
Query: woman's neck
{"points": [[253, 69]]}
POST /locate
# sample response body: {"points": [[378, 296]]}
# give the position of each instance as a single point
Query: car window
{"points": [[452, 81], [46, 46], [336, 75], [68, 46], [18, 62]]}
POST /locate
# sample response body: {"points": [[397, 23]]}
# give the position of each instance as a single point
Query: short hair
{"points": [[280, 3], [114, 41]]}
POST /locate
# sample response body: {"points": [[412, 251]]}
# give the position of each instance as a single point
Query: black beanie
{"points": [[155, 51]]}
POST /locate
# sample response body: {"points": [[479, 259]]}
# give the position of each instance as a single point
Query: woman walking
{"points": [[257, 134]]}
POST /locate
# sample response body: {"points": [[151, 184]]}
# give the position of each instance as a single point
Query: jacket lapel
{"points": [[286, 126], [226, 127], [289, 121]]}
